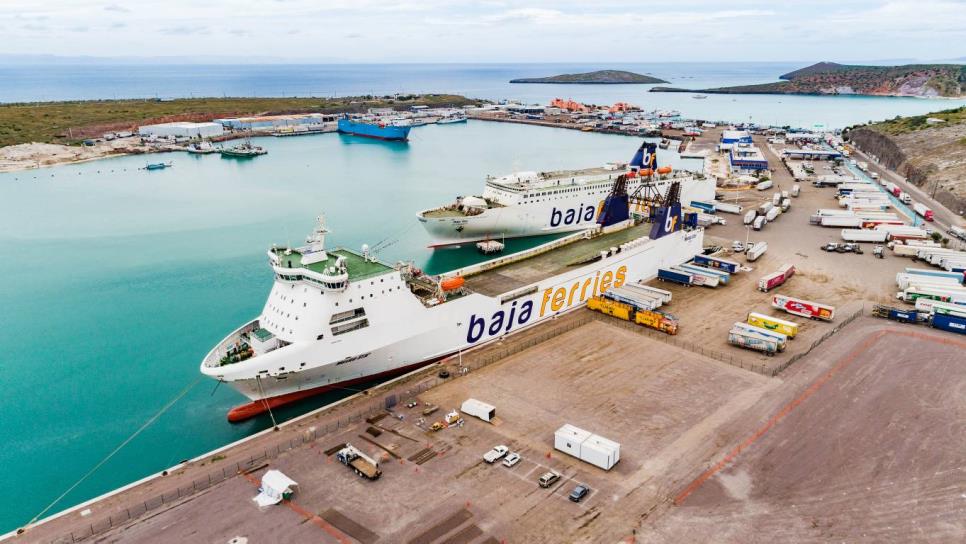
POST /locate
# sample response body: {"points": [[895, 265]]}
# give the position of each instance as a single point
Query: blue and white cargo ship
{"points": [[374, 129], [337, 317]]}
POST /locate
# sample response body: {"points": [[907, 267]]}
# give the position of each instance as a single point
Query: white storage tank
{"points": [[569, 438]]}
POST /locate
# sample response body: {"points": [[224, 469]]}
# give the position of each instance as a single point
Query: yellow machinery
{"points": [[654, 320]]}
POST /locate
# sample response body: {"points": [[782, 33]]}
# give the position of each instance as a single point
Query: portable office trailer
{"points": [[569, 438], [479, 409]]}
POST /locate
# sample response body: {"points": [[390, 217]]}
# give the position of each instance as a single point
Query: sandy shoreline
{"points": [[20, 157]]}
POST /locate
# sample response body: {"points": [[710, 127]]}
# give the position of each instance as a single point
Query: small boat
{"points": [[487, 247], [201, 148], [665, 143], [244, 150], [158, 166], [699, 96], [451, 120]]}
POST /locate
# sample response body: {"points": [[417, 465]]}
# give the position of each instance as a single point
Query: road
{"points": [[944, 217]]}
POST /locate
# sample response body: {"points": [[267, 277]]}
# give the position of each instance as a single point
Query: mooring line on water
{"points": [[126, 441]]}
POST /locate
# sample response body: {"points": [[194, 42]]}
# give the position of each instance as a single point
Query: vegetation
{"points": [[903, 125], [831, 78], [598, 77], [71, 122]]}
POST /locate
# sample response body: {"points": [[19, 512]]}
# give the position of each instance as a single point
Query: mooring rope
{"points": [[126, 441]]}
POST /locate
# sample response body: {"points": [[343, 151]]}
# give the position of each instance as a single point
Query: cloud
{"points": [[116, 8], [185, 30]]}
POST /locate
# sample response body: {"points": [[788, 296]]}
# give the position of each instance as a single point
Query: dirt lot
{"points": [[873, 454]]}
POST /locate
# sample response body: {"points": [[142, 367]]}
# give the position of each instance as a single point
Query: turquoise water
{"points": [[115, 281], [491, 81]]}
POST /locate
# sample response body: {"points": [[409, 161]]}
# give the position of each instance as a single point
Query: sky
{"points": [[487, 31]]}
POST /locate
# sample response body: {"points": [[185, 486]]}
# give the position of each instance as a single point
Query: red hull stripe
{"points": [[258, 407]]}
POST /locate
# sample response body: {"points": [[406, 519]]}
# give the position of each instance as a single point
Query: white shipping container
{"points": [[728, 207], [772, 214], [479, 409], [756, 250], [827, 212], [569, 438], [863, 235], [665, 296], [600, 452], [750, 216], [841, 221], [759, 223]]}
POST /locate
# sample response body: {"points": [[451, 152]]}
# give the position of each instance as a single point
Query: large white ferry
{"points": [[338, 317], [536, 203]]}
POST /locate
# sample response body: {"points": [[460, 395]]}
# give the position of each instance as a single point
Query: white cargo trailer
{"points": [[665, 295], [842, 221], [750, 217], [479, 409], [728, 207], [764, 186], [756, 250], [759, 223], [796, 190], [863, 235], [772, 214]]}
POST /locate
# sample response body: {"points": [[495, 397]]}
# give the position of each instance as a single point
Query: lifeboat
{"points": [[450, 284], [646, 172], [664, 170]]}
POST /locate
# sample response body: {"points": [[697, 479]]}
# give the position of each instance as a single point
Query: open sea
{"points": [[115, 281]]}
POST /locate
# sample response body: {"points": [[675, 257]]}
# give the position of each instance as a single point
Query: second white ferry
{"points": [[337, 317], [537, 203]]}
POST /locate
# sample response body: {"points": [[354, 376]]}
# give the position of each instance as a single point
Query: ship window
{"points": [[347, 315], [349, 327]]}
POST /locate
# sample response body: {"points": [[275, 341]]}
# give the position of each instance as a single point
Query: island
{"points": [[605, 77], [830, 78]]}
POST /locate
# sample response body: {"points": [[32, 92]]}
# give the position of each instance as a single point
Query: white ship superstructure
{"points": [[537, 203], [338, 317]]}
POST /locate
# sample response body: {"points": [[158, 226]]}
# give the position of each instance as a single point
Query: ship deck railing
{"points": [[213, 360]]}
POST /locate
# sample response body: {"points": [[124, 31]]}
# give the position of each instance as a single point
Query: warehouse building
{"points": [[273, 122], [181, 130], [747, 158]]}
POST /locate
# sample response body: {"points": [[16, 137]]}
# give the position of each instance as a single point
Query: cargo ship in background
{"points": [[380, 130], [539, 203], [337, 317]]}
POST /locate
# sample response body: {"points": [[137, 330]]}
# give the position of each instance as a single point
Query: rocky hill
{"points": [[929, 150], [923, 80], [595, 78]]}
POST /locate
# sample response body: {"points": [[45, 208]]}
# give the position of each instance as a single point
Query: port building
{"points": [[181, 130], [746, 158], [273, 122]]}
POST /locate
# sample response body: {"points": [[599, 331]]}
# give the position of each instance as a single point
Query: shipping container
{"points": [[479, 409], [764, 185], [949, 323], [700, 270], [934, 273], [842, 221], [796, 190], [772, 214], [863, 235], [804, 308], [936, 307], [715, 262], [600, 452], [750, 216], [759, 223], [825, 212], [569, 438], [776, 199], [913, 294], [703, 206], [765, 208], [756, 250], [788, 328], [728, 207], [780, 338], [698, 278], [757, 342], [666, 274], [639, 301], [665, 295], [786, 204]]}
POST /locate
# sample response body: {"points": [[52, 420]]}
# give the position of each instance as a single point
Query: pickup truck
{"points": [[495, 454]]}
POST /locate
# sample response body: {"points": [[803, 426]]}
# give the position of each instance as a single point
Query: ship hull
{"points": [[536, 219], [368, 130], [403, 334]]}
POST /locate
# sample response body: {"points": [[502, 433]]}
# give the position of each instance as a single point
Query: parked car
{"points": [[831, 246], [495, 454], [738, 246], [579, 493], [548, 479], [511, 459]]}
